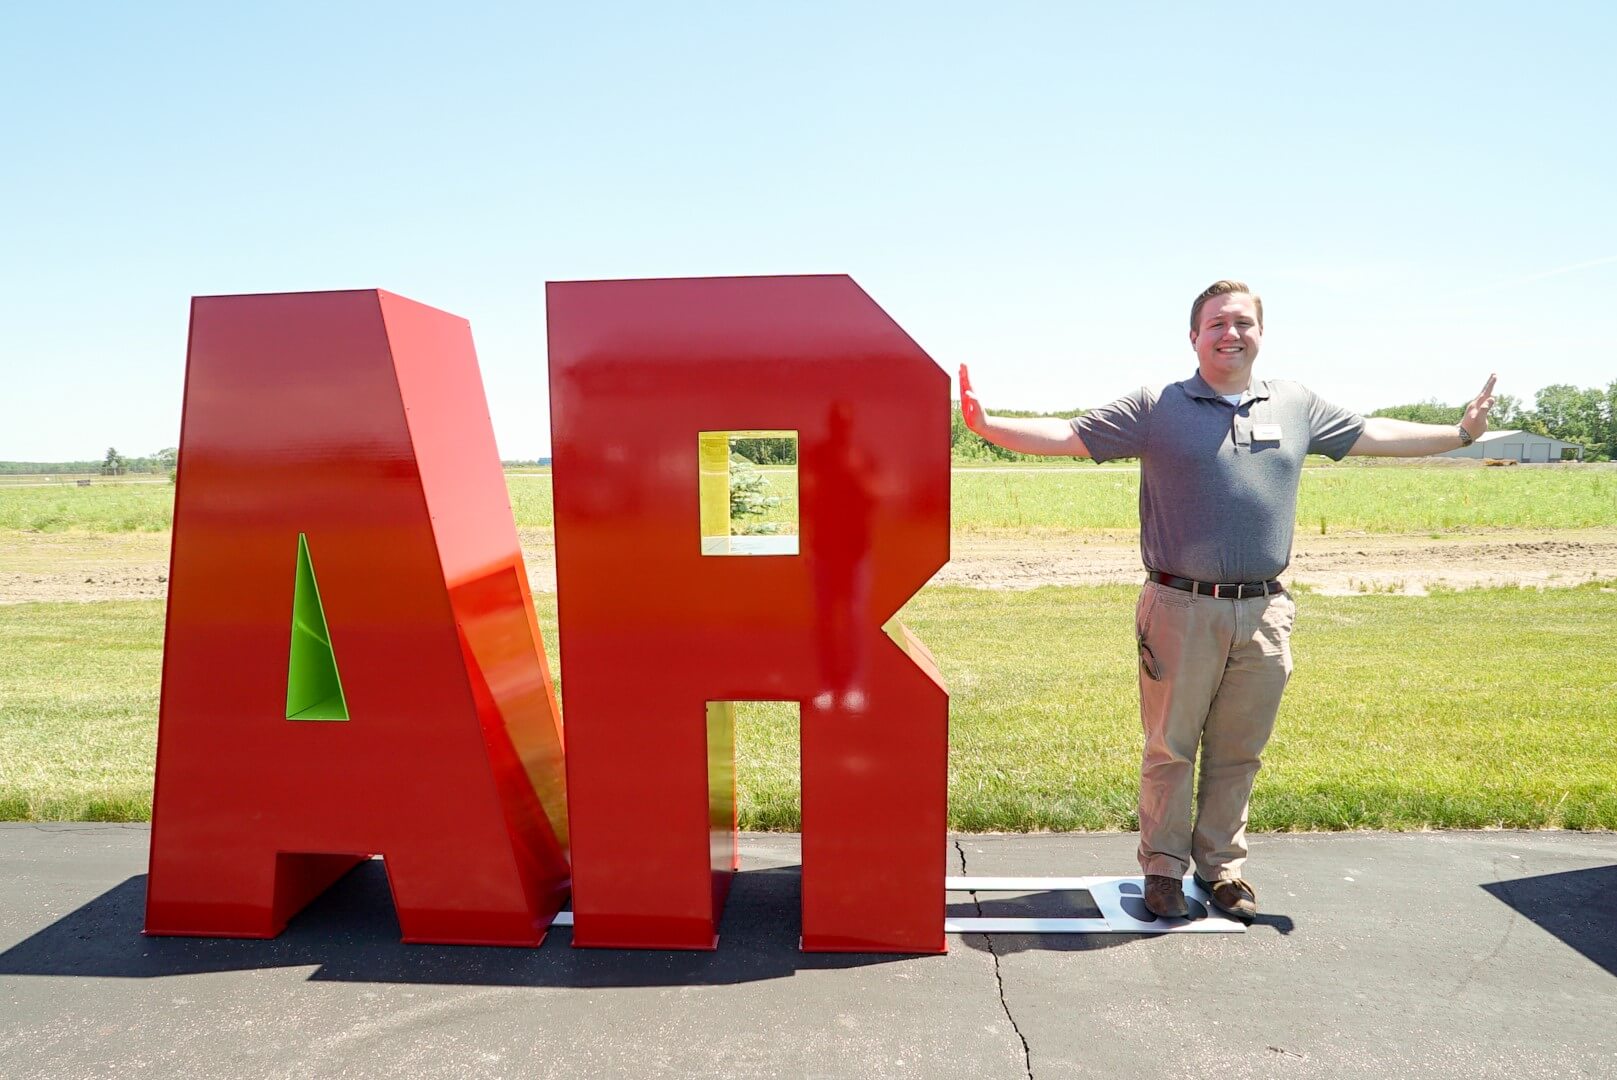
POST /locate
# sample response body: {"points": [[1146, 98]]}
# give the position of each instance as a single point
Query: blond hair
{"points": [[1223, 288]]}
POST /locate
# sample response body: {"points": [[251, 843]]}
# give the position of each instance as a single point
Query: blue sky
{"points": [[1423, 193]]}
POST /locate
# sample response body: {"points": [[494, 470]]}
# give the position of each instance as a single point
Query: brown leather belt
{"points": [[1240, 590]]}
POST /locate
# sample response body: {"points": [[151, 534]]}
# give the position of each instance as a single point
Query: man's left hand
{"points": [[1475, 420]]}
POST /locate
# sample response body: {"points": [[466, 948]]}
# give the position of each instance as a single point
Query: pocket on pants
{"points": [[1291, 609], [1144, 608], [1274, 632], [1152, 600]]}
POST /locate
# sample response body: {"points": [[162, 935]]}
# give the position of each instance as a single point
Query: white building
{"points": [[1518, 446]]}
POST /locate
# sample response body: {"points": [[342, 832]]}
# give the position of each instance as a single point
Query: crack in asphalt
{"points": [[1479, 963], [999, 978]]}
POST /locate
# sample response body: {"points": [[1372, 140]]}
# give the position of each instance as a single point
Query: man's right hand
{"points": [[1046, 436], [971, 410]]}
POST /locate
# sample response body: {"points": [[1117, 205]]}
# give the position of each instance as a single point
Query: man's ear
{"points": [[1193, 339]]}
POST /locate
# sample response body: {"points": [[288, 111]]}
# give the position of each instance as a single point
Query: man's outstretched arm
{"points": [[1047, 435], [1386, 437]]}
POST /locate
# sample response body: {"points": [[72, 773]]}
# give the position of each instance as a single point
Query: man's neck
{"points": [[1234, 383]]}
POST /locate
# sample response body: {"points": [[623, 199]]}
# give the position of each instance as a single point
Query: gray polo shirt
{"points": [[1218, 482]]}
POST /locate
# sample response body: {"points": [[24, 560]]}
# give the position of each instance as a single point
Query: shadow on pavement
{"points": [[350, 934], [1578, 906], [1058, 904]]}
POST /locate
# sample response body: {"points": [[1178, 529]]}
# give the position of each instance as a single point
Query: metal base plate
{"points": [[1121, 901]]}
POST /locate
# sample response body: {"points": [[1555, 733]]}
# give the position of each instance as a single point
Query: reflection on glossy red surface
{"points": [[358, 420], [652, 630]]}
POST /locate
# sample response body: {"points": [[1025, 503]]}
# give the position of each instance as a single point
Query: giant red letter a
{"points": [[352, 664]]}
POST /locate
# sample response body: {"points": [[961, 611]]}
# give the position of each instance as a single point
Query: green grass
{"points": [[1365, 498], [1398, 499], [78, 710], [1420, 500], [1459, 710], [768, 791], [530, 499], [111, 508], [782, 484]]}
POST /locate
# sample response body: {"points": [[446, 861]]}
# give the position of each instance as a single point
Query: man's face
{"points": [[1228, 338]]}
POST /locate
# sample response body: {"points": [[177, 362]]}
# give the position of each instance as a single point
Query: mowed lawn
{"points": [[1471, 709], [1354, 498]]}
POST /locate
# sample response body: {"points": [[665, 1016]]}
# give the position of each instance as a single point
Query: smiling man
{"points": [[1221, 457]]}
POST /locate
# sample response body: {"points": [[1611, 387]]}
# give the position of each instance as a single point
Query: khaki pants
{"points": [[1223, 667]]}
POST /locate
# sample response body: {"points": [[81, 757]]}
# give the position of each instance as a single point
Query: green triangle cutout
{"points": [[313, 690]]}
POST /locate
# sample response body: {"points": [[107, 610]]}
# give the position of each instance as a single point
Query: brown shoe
{"points": [[1165, 897], [1232, 896]]}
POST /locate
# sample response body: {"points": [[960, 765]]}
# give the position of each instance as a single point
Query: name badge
{"points": [[1265, 432]]}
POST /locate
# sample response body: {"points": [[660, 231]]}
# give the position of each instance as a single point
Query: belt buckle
{"points": [[1219, 594]]}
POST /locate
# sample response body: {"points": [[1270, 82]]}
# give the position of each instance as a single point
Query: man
{"points": [[1221, 456]]}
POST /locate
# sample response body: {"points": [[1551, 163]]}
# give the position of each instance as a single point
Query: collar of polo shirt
{"points": [[1197, 387]]}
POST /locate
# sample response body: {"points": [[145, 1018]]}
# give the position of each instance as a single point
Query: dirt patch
{"points": [[539, 553], [1414, 566], [134, 566], [1350, 564], [83, 566]]}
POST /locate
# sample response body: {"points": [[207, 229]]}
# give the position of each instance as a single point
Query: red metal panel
{"points": [[358, 420], [652, 630]]}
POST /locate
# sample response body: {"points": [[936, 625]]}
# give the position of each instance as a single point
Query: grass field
{"points": [[1397, 499], [1470, 709], [1473, 709], [110, 508], [1361, 499]]}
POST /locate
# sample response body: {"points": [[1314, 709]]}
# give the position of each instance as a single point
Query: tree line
{"points": [[967, 445], [112, 464], [1562, 411], [1587, 417]]}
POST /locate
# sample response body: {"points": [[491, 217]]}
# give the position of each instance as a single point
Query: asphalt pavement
{"points": [[1378, 955]]}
